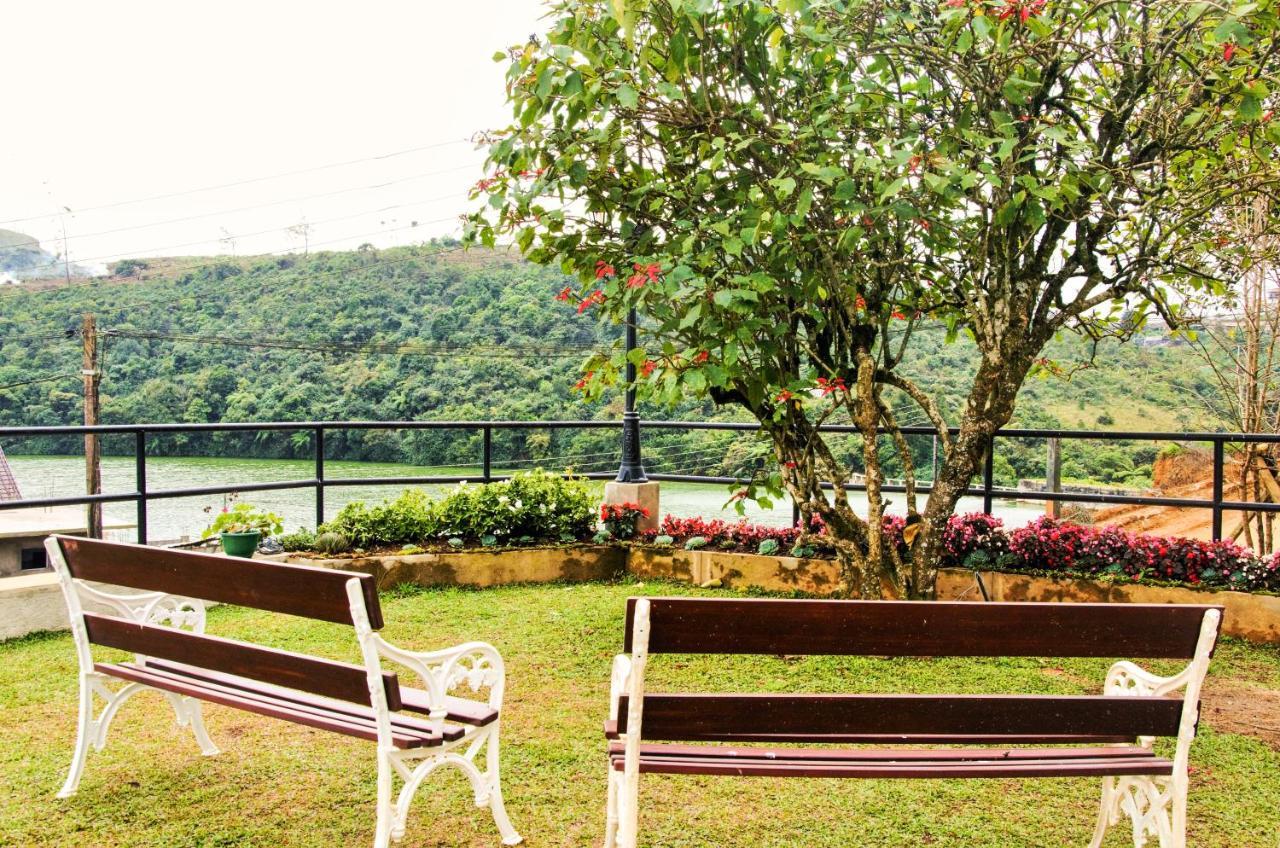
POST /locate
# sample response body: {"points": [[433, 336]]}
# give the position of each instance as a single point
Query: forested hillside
{"points": [[437, 333]]}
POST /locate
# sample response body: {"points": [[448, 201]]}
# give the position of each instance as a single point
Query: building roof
{"points": [[9, 490], [34, 522]]}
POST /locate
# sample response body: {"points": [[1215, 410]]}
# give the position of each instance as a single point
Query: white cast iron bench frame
{"points": [[473, 665], [1156, 805]]}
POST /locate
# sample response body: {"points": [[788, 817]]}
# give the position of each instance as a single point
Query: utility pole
{"points": [[92, 442]]}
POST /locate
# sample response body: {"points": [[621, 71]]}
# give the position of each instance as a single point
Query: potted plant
{"points": [[241, 527]]}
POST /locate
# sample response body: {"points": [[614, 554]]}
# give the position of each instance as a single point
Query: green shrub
{"points": [[332, 543], [303, 540], [531, 505], [409, 518]]}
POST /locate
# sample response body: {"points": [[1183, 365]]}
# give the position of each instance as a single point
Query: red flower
{"points": [[955, 4], [924, 224], [789, 463], [1228, 51], [565, 294], [1267, 115], [784, 396], [593, 299], [868, 221], [860, 302], [898, 316], [913, 164], [582, 384], [487, 183], [648, 367], [826, 386], [701, 357], [604, 269], [644, 274], [1024, 9]]}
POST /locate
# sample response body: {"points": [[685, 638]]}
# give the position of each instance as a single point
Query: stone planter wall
{"points": [[1248, 616], [482, 568], [28, 604]]}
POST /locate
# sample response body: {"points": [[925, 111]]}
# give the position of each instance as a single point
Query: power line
{"points": [[249, 181], [36, 242], [155, 250], [48, 379], [427, 349]]}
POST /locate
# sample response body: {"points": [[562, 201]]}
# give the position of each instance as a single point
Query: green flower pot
{"points": [[240, 544]]}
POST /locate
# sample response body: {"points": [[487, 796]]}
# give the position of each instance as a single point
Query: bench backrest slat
{"points": [[905, 628], [300, 590], [800, 718], [329, 678]]}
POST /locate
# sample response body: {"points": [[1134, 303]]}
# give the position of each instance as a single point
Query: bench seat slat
{"points": [[330, 678], [719, 717], [337, 720], [459, 710], [893, 765], [915, 629], [611, 732], [617, 748]]}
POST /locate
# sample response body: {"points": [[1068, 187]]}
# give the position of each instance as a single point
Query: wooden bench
{"points": [[162, 622], [1002, 736]]}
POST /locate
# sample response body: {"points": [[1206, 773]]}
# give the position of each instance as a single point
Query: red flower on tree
{"points": [[647, 368], [604, 269], [644, 274], [826, 386], [1228, 51], [784, 396], [564, 295], [701, 357], [1024, 9], [593, 299], [898, 316], [582, 384]]}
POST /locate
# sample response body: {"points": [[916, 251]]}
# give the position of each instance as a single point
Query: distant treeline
{"points": [[436, 333]]}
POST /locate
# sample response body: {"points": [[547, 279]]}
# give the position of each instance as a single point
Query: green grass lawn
{"points": [[280, 784]]}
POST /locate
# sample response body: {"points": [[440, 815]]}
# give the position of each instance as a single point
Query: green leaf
{"points": [[627, 96]]}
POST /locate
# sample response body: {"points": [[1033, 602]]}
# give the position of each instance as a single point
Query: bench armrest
{"points": [[618, 682], [476, 665]]}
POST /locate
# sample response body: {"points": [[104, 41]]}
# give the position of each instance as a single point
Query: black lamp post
{"points": [[632, 468]]}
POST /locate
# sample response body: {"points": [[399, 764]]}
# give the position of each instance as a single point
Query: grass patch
{"points": [[280, 784]]}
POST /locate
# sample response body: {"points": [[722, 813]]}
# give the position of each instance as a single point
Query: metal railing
{"points": [[141, 496]]}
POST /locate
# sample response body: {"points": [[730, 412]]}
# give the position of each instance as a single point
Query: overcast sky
{"points": [[119, 101]]}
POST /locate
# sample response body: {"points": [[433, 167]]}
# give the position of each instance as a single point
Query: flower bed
{"points": [[1044, 546]]}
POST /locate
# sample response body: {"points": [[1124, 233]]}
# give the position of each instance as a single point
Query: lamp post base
{"points": [[644, 494]]}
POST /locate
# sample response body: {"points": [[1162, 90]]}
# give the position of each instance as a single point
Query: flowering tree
{"points": [[788, 189]]}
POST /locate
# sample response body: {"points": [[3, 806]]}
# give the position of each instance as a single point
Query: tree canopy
{"points": [[787, 189]]}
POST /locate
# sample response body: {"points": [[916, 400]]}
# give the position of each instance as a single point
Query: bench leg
{"points": [[628, 810], [386, 812], [1147, 802], [493, 777], [611, 810], [91, 733], [190, 714]]}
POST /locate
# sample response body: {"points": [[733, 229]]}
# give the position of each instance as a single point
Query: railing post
{"points": [[319, 441], [1218, 471], [1053, 477], [488, 454], [140, 482], [988, 476], [632, 468]]}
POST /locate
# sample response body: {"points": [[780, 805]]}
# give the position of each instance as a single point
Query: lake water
{"points": [[172, 519]]}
